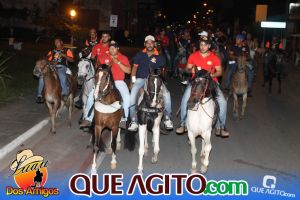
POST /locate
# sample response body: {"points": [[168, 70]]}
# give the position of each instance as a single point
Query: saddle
{"points": [[104, 108]]}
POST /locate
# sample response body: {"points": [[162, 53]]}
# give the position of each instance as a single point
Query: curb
{"points": [[24, 136], [19, 140]]}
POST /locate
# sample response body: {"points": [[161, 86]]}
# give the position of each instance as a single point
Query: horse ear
{"points": [[158, 71]]}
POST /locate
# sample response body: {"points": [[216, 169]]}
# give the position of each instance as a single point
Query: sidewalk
{"points": [[18, 116]]}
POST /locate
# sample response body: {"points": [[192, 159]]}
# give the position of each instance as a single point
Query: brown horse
{"points": [[52, 91], [108, 113], [239, 86]]}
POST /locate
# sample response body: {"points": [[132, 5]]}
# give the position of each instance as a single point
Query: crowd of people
{"points": [[178, 51]]}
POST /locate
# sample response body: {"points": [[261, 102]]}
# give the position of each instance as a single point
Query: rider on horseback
{"points": [[144, 61], [89, 43], [239, 48], [60, 56], [204, 59], [93, 39], [119, 66]]}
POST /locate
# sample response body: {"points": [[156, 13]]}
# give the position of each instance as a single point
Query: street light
{"points": [[73, 13], [204, 4]]}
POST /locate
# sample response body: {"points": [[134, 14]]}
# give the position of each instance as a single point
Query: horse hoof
{"points": [[203, 169], [113, 165], [69, 125], [154, 160], [140, 171], [193, 170], [89, 146], [53, 131], [93, 171]]}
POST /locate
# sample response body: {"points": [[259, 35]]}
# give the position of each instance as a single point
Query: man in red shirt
{"points": [[204, 59], [119, 66], [100, 50]]}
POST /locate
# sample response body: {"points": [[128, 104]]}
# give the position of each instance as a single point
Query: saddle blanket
{"points": [[103, 108]]}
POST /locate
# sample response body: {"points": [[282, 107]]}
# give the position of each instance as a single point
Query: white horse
{"points": [[150, 112], [200, 118], [86, 77]]}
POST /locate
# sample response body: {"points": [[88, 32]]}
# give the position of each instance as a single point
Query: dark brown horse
{"points": [[52, 91], [108, 113]]}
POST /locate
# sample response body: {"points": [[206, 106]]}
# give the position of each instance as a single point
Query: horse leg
{"points": [[70, 108], [142, 130], [93, 169], [114, 135], [60, 109], [207, 149], [146, 143], [155, 131], [244, 105], [235, 105], [52, 116], [119, 139], [96, 139], [192, 139]]}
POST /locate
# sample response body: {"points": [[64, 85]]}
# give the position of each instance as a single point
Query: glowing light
{"points": [[73, 13]]}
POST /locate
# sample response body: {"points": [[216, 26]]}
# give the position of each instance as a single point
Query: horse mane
{"points": [[212, 85], [242, 60]]}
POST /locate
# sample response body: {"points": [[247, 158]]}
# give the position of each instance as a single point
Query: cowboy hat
{"points": [[25, 157]]}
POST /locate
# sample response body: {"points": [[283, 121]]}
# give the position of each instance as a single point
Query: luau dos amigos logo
{"points": [[30, 174]]}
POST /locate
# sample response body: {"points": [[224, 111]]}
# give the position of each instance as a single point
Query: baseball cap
{"points": [[204, 39], [113, 44], [239, 37], [149, 37], [203, 33]]}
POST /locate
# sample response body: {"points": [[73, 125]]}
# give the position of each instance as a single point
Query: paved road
{"points": [[265, 142]]}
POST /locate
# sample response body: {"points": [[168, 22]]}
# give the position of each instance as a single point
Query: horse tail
{"points": [[129, 140]]}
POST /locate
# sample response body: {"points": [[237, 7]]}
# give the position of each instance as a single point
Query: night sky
{"points": [[183, 9]]}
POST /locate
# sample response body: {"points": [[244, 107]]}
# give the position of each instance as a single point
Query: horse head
{"points": [[153, 88], [41, 67], [85, 70], [85, 53], [202, 87], [103, 81], [242, 63]]}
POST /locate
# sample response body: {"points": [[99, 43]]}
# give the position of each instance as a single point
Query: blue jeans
{"points": [[230, 71], [220, 99], [139, 83], [123, 89], [61, 71], [41, 86]]}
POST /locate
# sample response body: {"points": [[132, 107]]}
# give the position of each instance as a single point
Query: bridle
{"points": [[200, 95], [100, 94]]}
